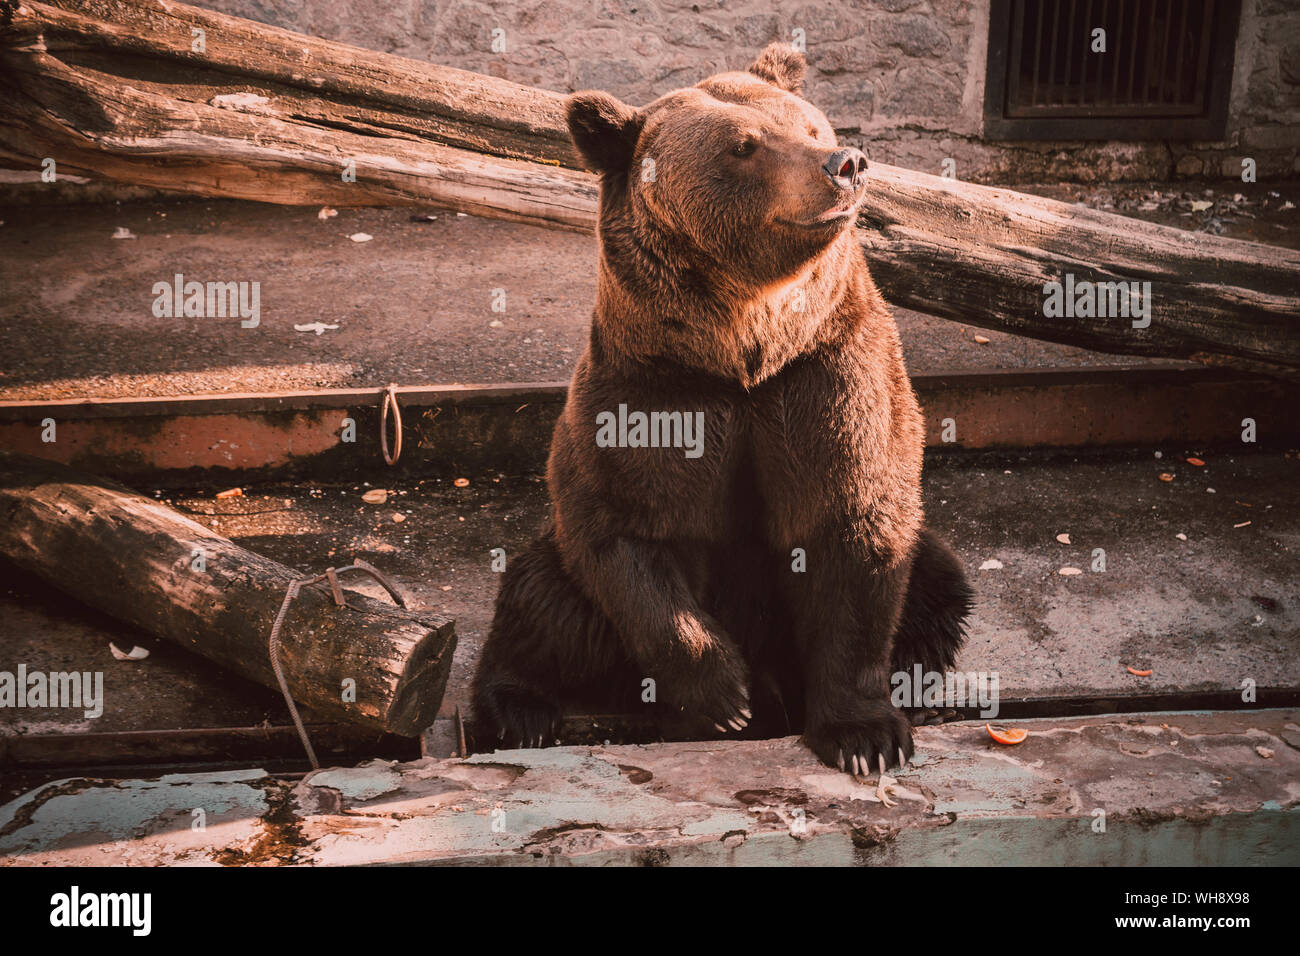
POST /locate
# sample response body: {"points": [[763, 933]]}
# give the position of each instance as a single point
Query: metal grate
{"points": [[1164, 74]]}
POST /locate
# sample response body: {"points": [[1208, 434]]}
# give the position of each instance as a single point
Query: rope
{"points": [[390, 399], [336, 591]]}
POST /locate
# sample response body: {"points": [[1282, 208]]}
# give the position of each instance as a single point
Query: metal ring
{"points": [[390, 398]]}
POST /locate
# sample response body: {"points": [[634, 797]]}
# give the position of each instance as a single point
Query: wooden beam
{"points": [[135, 560], [262, 113]]}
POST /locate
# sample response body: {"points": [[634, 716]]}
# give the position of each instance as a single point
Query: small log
{"points": [[134, 559], [118, 91]]}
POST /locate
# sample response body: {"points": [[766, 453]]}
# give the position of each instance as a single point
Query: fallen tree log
{"points": [[119, 91], [140, 562]]}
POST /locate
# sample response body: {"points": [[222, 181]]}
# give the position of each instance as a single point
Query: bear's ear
{"points": [[604, 129], [781, 65]]}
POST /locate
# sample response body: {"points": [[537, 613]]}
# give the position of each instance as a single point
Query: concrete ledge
{"points": [[1152, 789], [506, 428]]}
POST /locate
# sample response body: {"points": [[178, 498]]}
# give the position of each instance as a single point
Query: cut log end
{"points": [[132, 558]]}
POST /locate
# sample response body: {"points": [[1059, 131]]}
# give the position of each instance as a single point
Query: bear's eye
{"points": [[745, 147]]}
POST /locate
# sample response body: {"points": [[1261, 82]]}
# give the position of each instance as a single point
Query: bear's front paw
{"points": [[714, 687], [518, 715], [876, 738]]}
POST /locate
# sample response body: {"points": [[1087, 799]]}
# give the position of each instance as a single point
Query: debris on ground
{"points": [[1010, 737]]}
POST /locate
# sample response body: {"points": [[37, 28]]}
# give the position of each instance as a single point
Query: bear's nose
{"points": [[846, 168]]}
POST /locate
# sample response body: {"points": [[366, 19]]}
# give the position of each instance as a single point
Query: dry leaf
{"points": [[1068, 572], [1165, 476], [231, 493], [1264, 752], [981, 340], [134, 654], [1196, 461], [992, 564], [375, 496], [361, 237], [1242, 525], [399, 517], [1063, 538], [326, 213]]}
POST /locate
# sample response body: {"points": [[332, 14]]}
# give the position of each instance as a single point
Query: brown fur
{"points": [[716, 296]]}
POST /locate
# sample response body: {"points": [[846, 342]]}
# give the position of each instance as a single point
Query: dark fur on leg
{"points": [[933, 625], [546, 639]]}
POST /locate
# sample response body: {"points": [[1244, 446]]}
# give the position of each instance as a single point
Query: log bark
{"points": [[117, 91], [133, 559]]}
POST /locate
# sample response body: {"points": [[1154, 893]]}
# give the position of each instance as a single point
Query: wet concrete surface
{"points": [[413, 305], [1198, 586]]}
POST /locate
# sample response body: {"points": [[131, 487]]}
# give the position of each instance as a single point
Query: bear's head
{"points": [[738, 174]]}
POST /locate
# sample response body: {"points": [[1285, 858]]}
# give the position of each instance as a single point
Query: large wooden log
{"points": [[134, 559], [117, 90]]}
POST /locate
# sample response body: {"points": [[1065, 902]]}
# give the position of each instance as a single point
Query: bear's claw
{"points": [[522, 717], [874, 739]]}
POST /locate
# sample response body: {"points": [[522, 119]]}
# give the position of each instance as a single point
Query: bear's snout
{"points": [[846, 168]]}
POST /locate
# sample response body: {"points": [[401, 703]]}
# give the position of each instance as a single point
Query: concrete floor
{"points": [[1202, 613], [413, 305]]}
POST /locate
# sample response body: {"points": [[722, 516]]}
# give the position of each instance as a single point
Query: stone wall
{"points": [[903, 79]]}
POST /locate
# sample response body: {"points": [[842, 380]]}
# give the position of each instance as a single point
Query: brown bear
{"points": [[750, 548]]}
